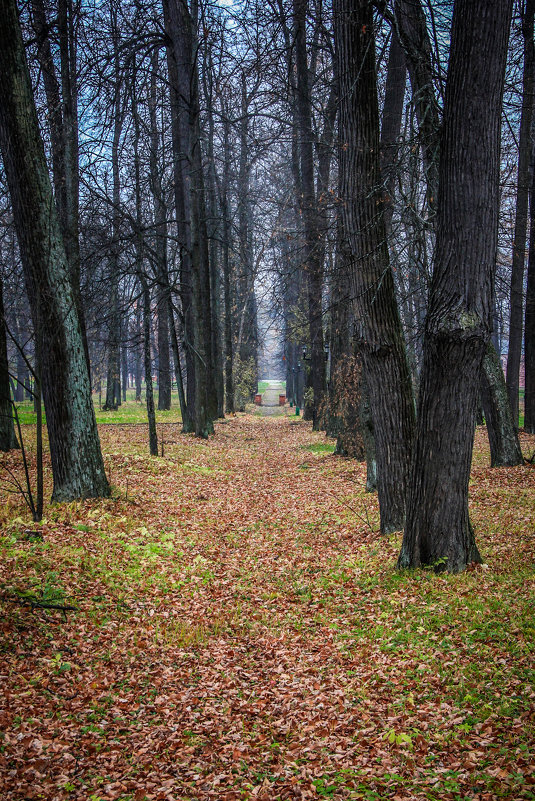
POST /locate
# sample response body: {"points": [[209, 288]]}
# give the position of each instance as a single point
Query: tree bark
{"points": [[8, 439], [180, 26], [149, 392], [378, 326], [226, 245], [396, 74], [62, 107], [178, 93], [214, 236], [160, 247], [77, 464], [505, 448], [113, 377], [411, 27], [314, 254], [411, 23], [525, 147], [529, 325], [438, 530], [145, 290]]}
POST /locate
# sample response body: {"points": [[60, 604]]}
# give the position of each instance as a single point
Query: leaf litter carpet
{"points": [[242, 633]]}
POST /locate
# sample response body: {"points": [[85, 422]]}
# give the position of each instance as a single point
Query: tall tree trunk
{"points": [[137, 350], [113, 377], [124, 358], [314, 232], [248, 329], [145, 291], [505, 448], [411, 27], [176, 359], [182, 196], [147, 361], [62, 106], [525, 147], [378, 325], [22, 384], [182, 64], [438, 530], [214, 236], [396, 75], [160, 246], [77, 464], [8, 440], [529, 326], [411, 23], [226, 245]]}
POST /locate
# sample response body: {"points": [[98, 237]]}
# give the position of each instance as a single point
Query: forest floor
{"points": [[241, 632]]}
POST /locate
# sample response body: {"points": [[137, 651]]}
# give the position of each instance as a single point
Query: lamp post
{"points": [[298, 370]]}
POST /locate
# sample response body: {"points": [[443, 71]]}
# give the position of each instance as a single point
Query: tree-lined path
{"points": [[242, 633]]}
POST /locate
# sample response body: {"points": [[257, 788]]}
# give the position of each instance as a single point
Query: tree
{"points": [[190, 205], [379, 335], [525, 146], [8, 440], [458, 323], [62, 106], [411, 23], [113, 377], [77, 464], [529, 326], [313, 224]]}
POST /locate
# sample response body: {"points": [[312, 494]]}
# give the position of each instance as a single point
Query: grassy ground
{"points": [[241, 633], [263, 385], [130, 411]]}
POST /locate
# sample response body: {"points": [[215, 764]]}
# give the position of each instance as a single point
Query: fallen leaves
{"points": [[242, 634]]}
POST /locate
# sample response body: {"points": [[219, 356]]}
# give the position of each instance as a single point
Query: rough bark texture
{"points": [[8, 440], [340, 337], [178, 92], [411, 27], [529, 326], [345, 407], [160, 247], [396, 74], [62, 108], [314, 253], [378, 326], [113, 375], [458, 325], [149, 392], [182, 62], [77, 464], [226, 224], [505, 448], [214, 230], [247, 346], [525, 146]]}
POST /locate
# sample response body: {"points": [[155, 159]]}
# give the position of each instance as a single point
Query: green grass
{"points": [[263, 385], [131, 412], [320, 447]]}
